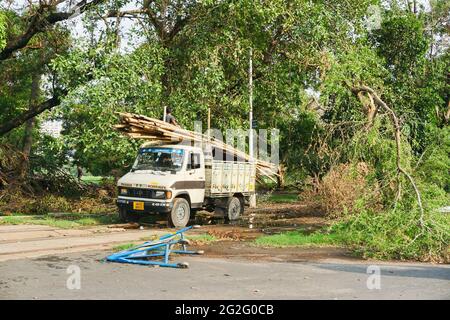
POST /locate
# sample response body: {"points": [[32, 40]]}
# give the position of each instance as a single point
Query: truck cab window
{"points": [[194, 161], [159, 159]]}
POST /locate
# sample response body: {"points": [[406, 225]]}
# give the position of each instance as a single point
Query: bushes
{"points": [[49, 203], [41, 205], [435, 161], [362, 187], [344, 188], [396, 234]]}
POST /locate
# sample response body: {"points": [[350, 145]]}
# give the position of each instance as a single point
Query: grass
{"points": [[125, 246], [281, 198], [298, 238], [92, 179], [202, 238], [389, 235], [397, 234], [64, 221]]}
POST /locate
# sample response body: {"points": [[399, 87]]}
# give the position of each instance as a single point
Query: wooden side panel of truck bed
{"points": [[227, 177]]}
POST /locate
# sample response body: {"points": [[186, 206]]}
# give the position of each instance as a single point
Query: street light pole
{"points": [[252, 200]]}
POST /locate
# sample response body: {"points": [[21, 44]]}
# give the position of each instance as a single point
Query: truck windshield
{"points": [[159, 159]]}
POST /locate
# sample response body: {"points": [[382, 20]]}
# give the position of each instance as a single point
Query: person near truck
{"points": [[170, 118]]}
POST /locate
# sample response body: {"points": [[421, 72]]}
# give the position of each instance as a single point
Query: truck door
{"points": [[195, 178]]}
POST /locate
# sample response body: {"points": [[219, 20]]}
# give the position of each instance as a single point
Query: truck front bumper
{"points": [[149, 206]]}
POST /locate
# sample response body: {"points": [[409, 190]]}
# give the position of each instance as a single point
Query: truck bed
{"points": [[224, 178]]}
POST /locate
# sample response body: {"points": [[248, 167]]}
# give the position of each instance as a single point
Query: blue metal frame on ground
{"points": [[145, 253]]}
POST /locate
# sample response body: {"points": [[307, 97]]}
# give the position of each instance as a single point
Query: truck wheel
{"points": [[234, 209], [180, 214]]}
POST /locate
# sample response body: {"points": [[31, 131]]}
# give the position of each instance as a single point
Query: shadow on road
{"points": [[429, 272]]}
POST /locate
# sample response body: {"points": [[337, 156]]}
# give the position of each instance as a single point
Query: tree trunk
{"points": [[30, 124], [280, 177], [165, 81]]}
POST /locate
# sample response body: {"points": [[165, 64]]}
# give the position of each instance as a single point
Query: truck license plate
{"points": [[138, 206]]}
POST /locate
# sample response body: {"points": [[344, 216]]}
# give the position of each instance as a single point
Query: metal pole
{"points": [[165, 113], [250, 88], [208, 142], [252, 199], [209, 121]]}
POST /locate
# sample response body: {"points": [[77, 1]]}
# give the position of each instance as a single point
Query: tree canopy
{"points": [[139, 56]]}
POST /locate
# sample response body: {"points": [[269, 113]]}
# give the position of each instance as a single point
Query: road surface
{"points": [[46, 277]]}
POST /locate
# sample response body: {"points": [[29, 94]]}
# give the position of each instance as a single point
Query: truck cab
{"points": [[177, 179]]}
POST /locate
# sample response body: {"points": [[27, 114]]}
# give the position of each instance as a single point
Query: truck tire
{"points": [[234, 209], [180, 214]]}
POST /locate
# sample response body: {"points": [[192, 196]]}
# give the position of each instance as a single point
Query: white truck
{"points": [[179, 180]]}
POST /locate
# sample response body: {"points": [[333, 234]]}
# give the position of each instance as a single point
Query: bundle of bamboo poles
{"points": [[158, 132]]}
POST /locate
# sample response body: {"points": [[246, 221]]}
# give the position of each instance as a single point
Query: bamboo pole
{"points": [[160, 132]]}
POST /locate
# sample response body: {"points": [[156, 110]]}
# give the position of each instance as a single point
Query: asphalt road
{"points": [[207, 278]]}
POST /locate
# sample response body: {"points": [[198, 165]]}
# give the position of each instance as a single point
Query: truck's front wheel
{"points": [[180, 214]]}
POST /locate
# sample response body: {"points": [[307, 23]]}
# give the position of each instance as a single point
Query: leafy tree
{"points": [[2, 30], [25, 27]]}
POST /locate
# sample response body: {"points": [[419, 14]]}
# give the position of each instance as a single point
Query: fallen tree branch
{"points": [[373, 96], [32, 112]]}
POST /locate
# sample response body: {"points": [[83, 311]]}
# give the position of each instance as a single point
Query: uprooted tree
{"points": [[373, 104]]}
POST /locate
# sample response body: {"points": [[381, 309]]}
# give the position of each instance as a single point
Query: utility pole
{"points": [[209, 121], [252, 200]]}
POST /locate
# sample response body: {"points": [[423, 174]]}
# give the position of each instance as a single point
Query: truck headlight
{"points": [[160, 194], [123, 191]]}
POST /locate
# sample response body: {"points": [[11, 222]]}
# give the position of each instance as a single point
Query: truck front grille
{"points": [[141, 193]]}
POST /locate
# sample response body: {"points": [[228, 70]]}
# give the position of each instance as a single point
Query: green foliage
{"points": [[125, 246], [201, 239], [401, 41], [2, 30], [298, 238], [435, 162], [279, 198], [396, 234], [49, 203], [359, 65], [61, 221], [307, 55], [205, 66], [49, 154], [119, 83]]}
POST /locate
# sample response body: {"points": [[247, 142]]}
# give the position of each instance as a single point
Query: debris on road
{"points": [[145, 253]]}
